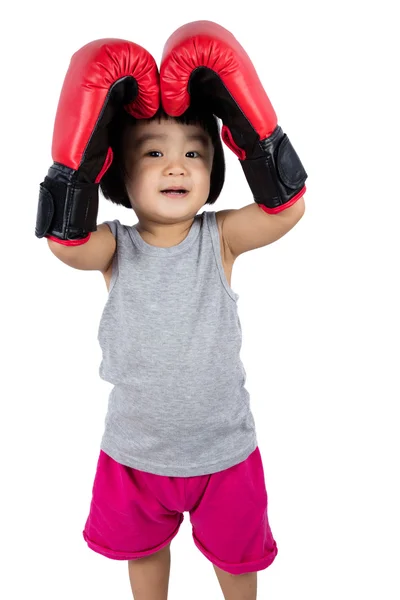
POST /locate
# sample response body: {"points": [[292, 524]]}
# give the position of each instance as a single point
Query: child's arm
{"points": [[95, 255], [248, 228]]}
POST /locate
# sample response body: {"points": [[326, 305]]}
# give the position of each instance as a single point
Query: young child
{"points": [[179, 433]]}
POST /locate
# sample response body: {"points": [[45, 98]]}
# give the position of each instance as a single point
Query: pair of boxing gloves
{"points": [[201, 61]]}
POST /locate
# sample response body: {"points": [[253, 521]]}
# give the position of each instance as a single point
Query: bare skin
{"points": [[237, 587], [149, 578]]}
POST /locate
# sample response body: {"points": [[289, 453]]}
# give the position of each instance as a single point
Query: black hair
{"points": [[112, 183]]}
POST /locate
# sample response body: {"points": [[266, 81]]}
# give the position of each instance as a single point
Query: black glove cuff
{"points": [[278, 175], [67, 210]]}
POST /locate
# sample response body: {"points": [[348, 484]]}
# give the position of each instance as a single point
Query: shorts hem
{"points": [[118, 555], [239, 569]]}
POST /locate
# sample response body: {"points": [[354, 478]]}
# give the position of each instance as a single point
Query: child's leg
{"points": [[237, 587], [149, 576]]}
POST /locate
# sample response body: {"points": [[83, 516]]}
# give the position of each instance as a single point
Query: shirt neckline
{"points": [[172, 250]]}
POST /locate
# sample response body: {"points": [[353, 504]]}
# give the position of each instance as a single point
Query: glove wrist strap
{"points": [[67, 209], [277, 177]]}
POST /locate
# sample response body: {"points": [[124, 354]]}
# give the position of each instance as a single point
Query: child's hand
{"points": [[204, 63], [104, 76]]}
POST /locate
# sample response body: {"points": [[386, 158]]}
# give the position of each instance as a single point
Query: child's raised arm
{"points": [[94, 255]]}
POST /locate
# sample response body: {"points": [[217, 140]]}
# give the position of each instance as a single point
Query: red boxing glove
{"points": [[103, 76], [204, 63]]}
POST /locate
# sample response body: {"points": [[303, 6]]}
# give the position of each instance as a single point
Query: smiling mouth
{"points": [[174, 192]]}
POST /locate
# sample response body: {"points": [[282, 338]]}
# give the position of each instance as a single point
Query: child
{"points": [[179, 433]]}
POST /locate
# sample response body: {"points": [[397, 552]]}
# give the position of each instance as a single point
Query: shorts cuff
{"points": [[118, 555], [239, 569]]}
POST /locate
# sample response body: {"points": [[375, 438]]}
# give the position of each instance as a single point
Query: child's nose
{"points": [[176, 171], [175, 166]]}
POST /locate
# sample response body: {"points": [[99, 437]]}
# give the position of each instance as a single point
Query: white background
{"points": [[319, 308]]}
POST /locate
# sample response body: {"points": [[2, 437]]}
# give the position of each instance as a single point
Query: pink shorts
{"points": [[134, 513]]}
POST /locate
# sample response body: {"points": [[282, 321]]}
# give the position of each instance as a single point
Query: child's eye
{"points": [[193, 152], [153, 152]]}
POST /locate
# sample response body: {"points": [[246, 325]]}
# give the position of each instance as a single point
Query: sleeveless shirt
{"points": [[170, 337]]}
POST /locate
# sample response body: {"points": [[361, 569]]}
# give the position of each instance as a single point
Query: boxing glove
{"points": [[202, 62], [103, 77]]}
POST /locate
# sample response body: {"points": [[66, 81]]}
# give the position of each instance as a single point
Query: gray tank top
{"points": [[170, 337]]}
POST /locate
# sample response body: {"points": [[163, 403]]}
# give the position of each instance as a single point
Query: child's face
{"points": [[164, 154]]}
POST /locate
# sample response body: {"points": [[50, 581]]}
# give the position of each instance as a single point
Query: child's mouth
{"points": [[175, 193]]}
